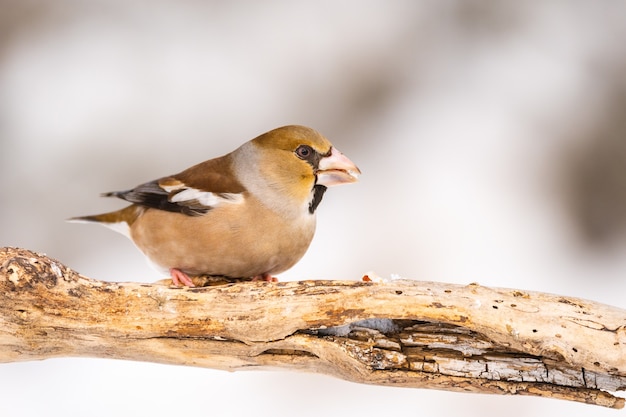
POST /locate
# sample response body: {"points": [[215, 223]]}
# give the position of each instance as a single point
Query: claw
{"points": [[265, 277], [180, 279]]}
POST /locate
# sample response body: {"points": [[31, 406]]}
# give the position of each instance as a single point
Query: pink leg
{"points": [[179, 278], [265, 277]]}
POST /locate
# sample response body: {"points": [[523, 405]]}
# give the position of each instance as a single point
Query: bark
{"points": [[399, 333]]}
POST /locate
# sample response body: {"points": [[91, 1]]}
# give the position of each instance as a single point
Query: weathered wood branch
{"points": [[400, 333]]}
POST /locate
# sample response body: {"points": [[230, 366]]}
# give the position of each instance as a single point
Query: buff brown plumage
{"points": [[250, 213]]}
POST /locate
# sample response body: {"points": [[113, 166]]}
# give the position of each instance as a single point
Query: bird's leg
{"points": [[179, 278], [265, 277]]}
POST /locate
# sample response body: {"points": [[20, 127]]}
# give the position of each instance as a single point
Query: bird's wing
{"points": [[193, 192]]}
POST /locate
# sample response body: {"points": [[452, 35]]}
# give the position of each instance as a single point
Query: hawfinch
{"points": [[247, 214]]}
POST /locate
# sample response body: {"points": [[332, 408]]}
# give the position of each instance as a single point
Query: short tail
{"points": [[119, 220], [113, 217]]}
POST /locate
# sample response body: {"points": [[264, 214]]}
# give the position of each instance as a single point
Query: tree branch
{"points": [[400, 333]]}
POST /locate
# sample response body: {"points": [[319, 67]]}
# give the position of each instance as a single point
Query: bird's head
{"points": [[300, 163]]}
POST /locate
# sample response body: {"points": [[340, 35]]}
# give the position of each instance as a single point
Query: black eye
{"points": [[304, 151]]}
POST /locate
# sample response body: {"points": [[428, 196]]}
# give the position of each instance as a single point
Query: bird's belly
{"points": [[240, 247]]}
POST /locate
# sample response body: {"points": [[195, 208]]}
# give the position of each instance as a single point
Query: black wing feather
{"points": [[152, 195]]}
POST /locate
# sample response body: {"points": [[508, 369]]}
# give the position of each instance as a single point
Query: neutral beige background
{"points": [[490, 136]]}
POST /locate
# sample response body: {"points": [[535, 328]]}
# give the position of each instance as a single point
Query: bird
{"points": [[248, 214]]}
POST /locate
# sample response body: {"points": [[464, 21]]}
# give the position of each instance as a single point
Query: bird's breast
{"points": [[238, 240]]}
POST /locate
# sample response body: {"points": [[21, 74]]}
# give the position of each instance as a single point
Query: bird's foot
{"points": [[179, 278], [265, 277]]}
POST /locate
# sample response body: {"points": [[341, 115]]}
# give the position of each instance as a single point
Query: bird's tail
{"points": [[119, 220]]}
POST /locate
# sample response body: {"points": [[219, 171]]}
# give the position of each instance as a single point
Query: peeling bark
{"points": [[400, 333]]}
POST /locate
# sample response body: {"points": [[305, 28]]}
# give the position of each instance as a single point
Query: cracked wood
{"points": [[401, 333]]}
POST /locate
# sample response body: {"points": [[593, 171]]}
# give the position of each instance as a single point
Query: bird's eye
{"points": [[304, 151]]}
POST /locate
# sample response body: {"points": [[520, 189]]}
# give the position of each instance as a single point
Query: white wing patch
{"points": [[205, 198]]}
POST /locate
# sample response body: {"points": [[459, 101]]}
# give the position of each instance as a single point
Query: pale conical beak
{"points": [[336, 169]]}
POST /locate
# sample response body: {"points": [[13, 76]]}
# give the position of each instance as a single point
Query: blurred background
{"points": [[491, 136]]}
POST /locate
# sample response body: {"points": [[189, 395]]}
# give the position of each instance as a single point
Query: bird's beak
{"points": [[336, 169]]}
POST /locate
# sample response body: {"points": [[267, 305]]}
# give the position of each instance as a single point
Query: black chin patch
{"points": [[318, 193]]}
